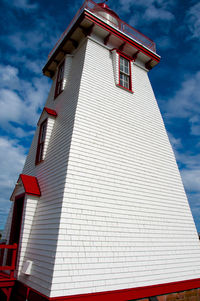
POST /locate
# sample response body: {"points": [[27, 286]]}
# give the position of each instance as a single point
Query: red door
{"points": [[16, 224]]}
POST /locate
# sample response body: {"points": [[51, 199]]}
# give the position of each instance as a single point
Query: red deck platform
{"points": [[7, 279]]}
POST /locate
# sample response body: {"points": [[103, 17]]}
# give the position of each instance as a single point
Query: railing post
{"points": [[14, 255], [2, 254]]}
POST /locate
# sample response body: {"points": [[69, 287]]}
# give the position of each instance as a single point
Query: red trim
{"points": [[16, 224], [40, 144], [59, 80], [78, 18], [20, 196], [127, 294], [130, 75], [123, 37], [50, 111], [31, 185], [123, 54], [11, 266]]}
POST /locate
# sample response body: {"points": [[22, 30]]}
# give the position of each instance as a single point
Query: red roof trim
{"points": [[128, 294], [31, 185], [50, 111], [123, 37]]}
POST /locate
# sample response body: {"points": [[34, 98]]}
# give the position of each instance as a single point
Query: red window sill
{"points": [[37, 163], [128, 90]]}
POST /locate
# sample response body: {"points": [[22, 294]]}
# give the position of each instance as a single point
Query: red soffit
{"points": [[31, 185], [50, 111]]}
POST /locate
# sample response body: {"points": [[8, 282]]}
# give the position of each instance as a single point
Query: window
{"points": [[124, 72], [60, 77], [41, 141]]}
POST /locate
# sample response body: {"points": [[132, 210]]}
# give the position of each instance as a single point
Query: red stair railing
{"points": [[10, 268]]}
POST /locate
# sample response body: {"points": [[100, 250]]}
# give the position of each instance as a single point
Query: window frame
{"points": [[121, 55], [40, 144], [59, 82]]}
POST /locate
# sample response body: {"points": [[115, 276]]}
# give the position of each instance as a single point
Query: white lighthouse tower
{"points": [[103, 211]]}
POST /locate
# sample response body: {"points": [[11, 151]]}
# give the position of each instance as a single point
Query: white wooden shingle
{"points": [[113, 213]]}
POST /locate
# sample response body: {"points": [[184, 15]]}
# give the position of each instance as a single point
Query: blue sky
{"points": [[29, 30]]}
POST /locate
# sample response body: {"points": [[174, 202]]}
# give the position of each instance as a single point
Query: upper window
{"points": [[125, 72], [41, 141], [59, 81]]}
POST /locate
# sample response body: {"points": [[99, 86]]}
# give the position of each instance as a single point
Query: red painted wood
{"points": [[31, 185], [123, 37], [59, 80], [40, 144], [121, 295], [93, 6], [11, 267], [7, 281], [9, 247], [130, 74], [6, 268], [50, 111]]}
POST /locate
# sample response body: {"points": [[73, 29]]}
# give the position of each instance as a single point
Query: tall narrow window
{"points": [[124, 73], [59, 81], [41, 141]]}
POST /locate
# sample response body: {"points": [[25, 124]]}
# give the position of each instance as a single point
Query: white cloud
{"points": [[12, 157], [153, 13], [195, 125], [23, 4], [186, 101], [42, 36], [164, 42], [11, 107], [34, 65], [190, 170], [150, 10], [27, 40], [175, 142], [193, 20], [9, 76], [191, 179], [20, 100], [21, 133]]}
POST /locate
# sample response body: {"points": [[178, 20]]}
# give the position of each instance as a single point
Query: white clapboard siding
{"points": [[40, 244], [113, 213], [125, 219]]}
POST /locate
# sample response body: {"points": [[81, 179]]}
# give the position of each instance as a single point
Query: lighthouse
{"points": [[99, 211]]}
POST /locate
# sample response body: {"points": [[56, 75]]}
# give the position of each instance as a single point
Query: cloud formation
{"points": [[12, 156], [193, 20], [20, 100], [186, 101], [149, 11], [22, 4]]}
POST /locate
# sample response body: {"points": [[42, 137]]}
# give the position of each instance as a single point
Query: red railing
{"points": [[11, 267], [122, 26]]}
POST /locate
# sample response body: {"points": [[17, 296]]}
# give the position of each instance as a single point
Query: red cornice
{"points": [[89, 16], [122, 36]]}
